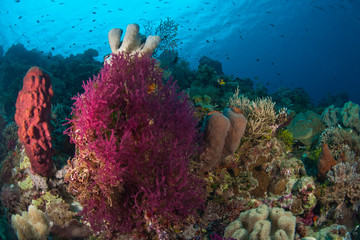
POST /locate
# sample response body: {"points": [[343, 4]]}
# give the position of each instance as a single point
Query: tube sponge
{"points": [[132, 42], [223, 133]]}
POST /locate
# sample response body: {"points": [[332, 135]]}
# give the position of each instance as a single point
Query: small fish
{"points": [[20, 17], [152, 87], [320, 8], [221, 81]]}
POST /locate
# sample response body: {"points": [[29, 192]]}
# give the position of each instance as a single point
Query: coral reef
{"points": [[135, 137], [33, 119], [297, 99], [348, 116], [263, 223], [143, 170], [204, 60]]}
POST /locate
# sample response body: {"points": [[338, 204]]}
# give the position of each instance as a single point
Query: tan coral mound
{"points": [[263, 223]]}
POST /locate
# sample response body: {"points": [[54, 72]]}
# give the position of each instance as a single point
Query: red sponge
{"points": [[32, 116]]}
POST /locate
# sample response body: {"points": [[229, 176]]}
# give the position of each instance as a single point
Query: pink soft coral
{"points": [[135, 137]]}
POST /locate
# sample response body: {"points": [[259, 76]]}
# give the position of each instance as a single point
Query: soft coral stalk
{"points": [[135, 137]]}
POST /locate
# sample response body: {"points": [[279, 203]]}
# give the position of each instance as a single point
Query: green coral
{"points": [[311, 202], [286, 137], [26, 183], [24, 161], [47, 199], [315, 154]]}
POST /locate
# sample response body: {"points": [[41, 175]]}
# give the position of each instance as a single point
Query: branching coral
{"points": [[261, 115], [134, 137], [343, 143], [343, 172]]}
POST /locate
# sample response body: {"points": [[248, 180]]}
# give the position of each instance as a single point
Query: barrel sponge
{"points": [[33, 224], [32, 116], [132, 42], [263, 223]]}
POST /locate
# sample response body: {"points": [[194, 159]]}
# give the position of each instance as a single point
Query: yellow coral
{"points": [[26, 184]]}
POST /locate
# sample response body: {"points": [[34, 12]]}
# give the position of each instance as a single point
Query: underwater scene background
{"points": [[179, 119]]}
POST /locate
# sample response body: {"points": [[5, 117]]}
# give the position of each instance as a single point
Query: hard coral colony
{"points": [[131, 168]]}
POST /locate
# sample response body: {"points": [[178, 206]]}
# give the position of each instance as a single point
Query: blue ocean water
{"points": [[312, 44]]}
